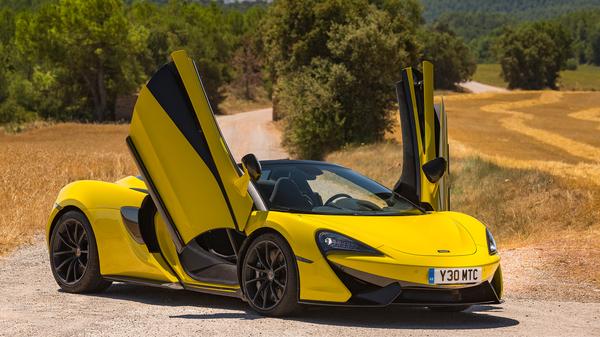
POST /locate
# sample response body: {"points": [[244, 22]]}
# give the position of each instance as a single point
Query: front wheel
{"points": [[270, 277], [74, 255]]}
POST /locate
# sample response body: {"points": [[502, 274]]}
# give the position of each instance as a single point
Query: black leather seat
{"points": [[265, 188], [286, 194]]}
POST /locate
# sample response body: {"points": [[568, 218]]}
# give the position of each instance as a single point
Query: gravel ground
{"points": [[31, 303]]}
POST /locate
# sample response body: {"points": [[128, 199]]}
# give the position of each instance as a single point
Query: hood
{"points": [[434, 234]]}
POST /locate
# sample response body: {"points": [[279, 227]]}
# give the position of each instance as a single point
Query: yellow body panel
{"points": [[120, 255], [101, 203], [199, 193]]}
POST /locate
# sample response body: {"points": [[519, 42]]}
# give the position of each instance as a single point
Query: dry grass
{"points": [[522, 206], [37, 163]]}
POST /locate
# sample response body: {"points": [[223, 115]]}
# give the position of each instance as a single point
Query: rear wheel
{"points": [[450, 308], [270, 277], [74, 255]]}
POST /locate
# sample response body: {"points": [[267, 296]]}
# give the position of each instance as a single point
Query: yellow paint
{"points": [[187, 185]]}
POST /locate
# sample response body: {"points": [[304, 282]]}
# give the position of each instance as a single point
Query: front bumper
{"points": [[372, 290]]}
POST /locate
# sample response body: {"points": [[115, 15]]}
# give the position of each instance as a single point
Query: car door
{"points": [[424, 141], [191, 175]]}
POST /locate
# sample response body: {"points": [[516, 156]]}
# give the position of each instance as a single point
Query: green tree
{"points": [[335, 63], [205, 31], [90, 48], [247, 60], [453, 60], [532, 55]]}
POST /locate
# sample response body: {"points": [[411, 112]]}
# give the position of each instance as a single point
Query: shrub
{"points": [[532, 55], [453, 60], [335, 64], [315, 123]]}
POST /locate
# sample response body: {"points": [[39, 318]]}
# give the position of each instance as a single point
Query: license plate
{"points": [[454, 275]]}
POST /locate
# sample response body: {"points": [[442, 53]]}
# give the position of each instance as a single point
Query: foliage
{"points": [[532, 55], [334, 64], [453, 61], [91, 49], [70, 59], [595, 47], [247, 60], [522, 10]]}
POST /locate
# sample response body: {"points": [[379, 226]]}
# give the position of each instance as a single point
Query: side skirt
{"points": [[236, 293]]}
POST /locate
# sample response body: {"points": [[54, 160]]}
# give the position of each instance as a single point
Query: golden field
{"points": [[37, 163]]}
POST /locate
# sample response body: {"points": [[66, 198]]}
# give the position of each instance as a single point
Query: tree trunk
{"points": [[95, 97], [103, 99]]}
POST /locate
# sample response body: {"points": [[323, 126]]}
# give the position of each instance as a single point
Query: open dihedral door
{"points": [[190, 173], [424, 178]]}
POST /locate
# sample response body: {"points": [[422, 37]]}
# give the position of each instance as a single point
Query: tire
{"points": [[74, 255], [450, 308], [269, 276]]}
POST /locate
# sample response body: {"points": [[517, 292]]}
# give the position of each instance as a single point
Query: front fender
{"points": [[87, 195], [318, 281]]}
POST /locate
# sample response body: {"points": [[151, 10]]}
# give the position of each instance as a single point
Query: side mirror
{"points": [[434, 169], [252, 166]]}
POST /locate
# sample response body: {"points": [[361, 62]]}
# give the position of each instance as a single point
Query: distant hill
{"points": [[516, 9]]}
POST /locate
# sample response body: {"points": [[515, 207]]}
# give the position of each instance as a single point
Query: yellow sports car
{"points": [[276, 233]]}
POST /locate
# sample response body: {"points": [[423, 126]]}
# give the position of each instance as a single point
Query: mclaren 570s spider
{"points": [[277, 233]]}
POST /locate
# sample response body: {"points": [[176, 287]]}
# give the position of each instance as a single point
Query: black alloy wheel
{"points": [[70, 251], [269, 276], [74, 255]]}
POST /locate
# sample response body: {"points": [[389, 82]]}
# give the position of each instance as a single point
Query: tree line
{"points": [[531, 53], [71, 59], [529, 10], [328, 65]]}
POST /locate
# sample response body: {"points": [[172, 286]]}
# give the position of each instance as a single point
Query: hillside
{"points": [[517, 9]]}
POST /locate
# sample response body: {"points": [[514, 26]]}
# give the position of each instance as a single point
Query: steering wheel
{"points": [[336, 197]]}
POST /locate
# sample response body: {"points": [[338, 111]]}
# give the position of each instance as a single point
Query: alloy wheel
{"points": [[70, 251], [265, 275]]}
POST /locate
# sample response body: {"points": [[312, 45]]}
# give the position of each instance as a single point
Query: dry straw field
{"points": [[36, 164]]}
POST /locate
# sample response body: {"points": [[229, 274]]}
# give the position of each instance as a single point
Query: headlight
{"points": [[492, 248], [330, 241]]}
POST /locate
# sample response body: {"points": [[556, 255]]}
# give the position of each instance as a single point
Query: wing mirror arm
{"points": [[252, 166], [434, 169]]}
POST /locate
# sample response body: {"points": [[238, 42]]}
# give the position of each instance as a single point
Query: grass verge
{"points": [[584, 78]]}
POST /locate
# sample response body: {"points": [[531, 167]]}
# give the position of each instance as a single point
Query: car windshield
{"points": [[328, 189]]}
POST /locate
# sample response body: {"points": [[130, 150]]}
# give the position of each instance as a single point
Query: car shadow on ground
{"points": [[392, 317]]}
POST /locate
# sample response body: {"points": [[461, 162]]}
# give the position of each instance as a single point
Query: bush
{"points": [[572, 64], [335, 64], [533, 55], [13, 113], [453, 60], [315, 123]]}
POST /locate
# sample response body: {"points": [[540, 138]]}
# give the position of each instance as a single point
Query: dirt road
{"points": [[32, 304], [479, 88], [252, 132]]}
